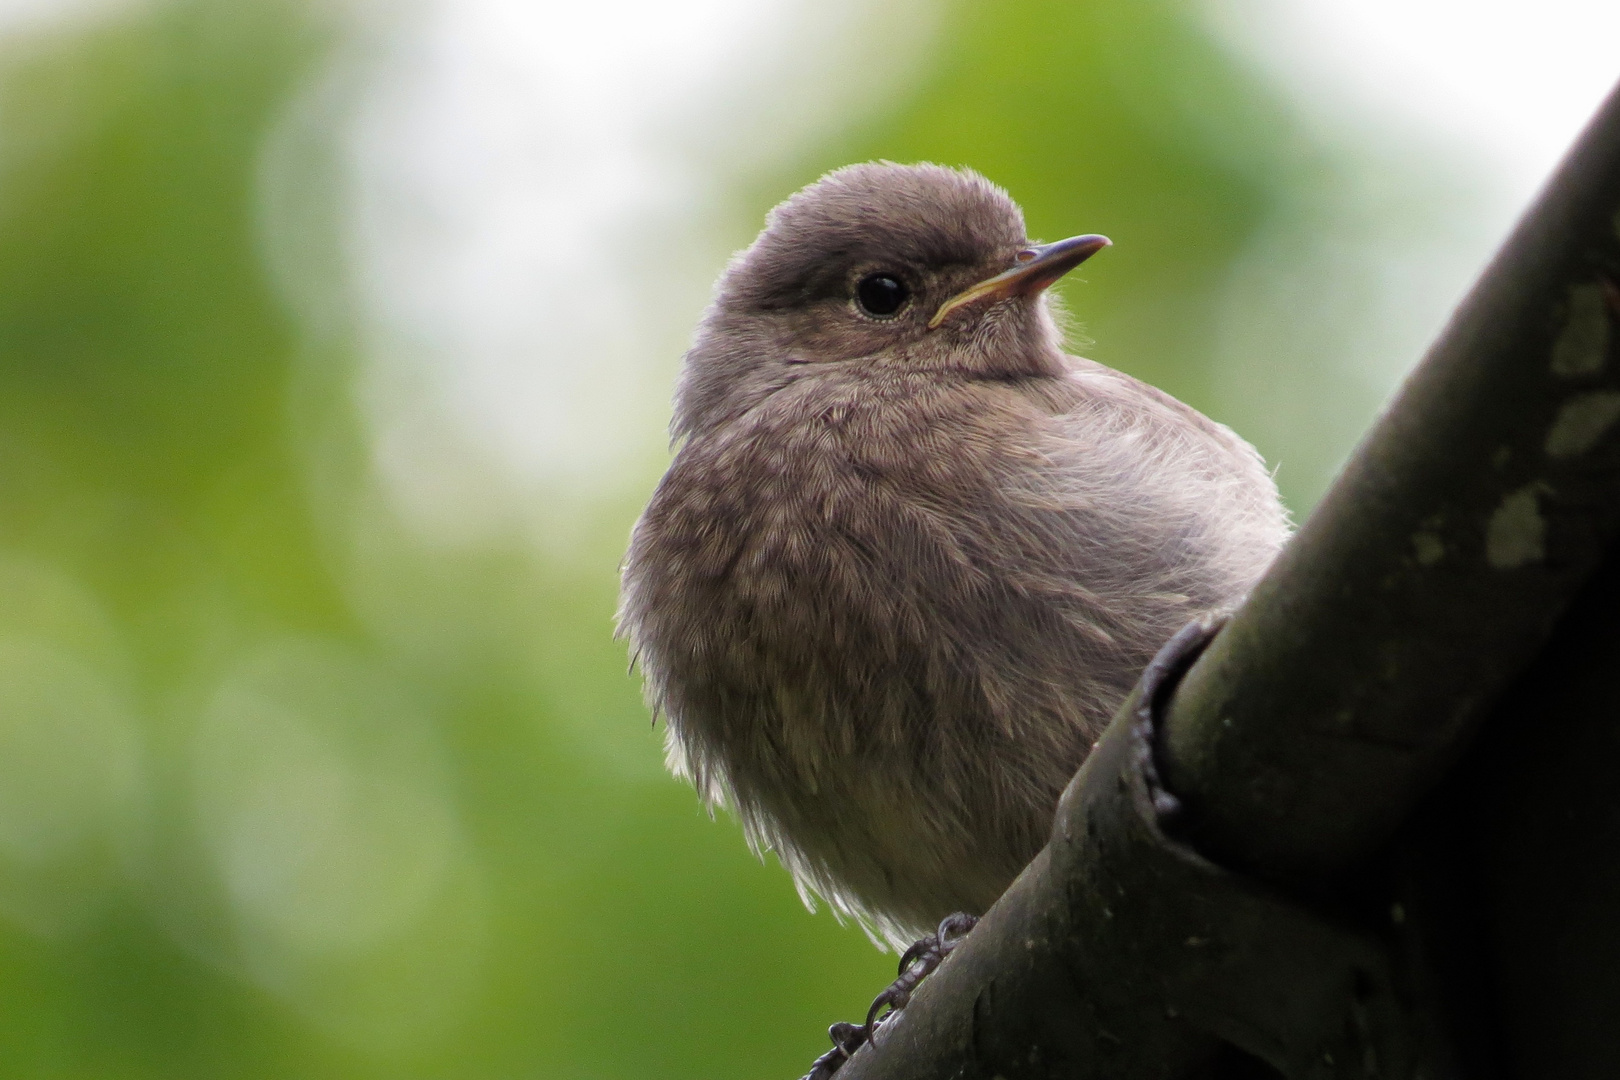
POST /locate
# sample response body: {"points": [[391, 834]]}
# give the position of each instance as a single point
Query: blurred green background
{"points": [[329, 390]]}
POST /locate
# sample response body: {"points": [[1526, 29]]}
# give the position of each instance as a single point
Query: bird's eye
{"points": [[881, 294]]}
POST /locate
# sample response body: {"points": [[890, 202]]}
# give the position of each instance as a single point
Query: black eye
{"points": [[881, 294]]}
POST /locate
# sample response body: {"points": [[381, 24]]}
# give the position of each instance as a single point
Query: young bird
{"points": [[910, 557]]}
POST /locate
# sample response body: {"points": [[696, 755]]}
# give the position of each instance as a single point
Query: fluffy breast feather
{"points": [[885, 617]]}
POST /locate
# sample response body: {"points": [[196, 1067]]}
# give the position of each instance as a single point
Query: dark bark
{"points": [[1325, 905]]}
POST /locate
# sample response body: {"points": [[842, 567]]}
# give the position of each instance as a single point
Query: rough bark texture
{"points": [[1434, 570]]}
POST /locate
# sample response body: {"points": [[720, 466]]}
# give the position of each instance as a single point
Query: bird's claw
{"points": [[916, 964], [846, 1039]]}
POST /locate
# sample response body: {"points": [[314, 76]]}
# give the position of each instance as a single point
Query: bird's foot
{"points": [[916, 965], [846, 1039]]}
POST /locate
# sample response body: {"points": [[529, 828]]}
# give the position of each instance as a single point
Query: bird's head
{"points": [[918, 266]]}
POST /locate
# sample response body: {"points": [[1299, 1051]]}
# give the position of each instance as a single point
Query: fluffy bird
{"points": [[910, 557]]}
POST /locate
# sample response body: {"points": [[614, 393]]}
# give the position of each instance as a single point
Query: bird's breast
{"points": [[821, 509]]}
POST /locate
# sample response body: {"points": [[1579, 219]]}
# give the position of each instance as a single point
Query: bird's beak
{"points": [[1037, 267]]}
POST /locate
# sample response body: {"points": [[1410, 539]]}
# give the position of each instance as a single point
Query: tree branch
{"points": [[1432, 574]]}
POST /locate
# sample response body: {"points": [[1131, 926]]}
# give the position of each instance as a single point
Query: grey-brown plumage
{"points": [[899, 576]]}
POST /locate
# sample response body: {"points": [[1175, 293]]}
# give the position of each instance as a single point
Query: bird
{"points": [[909, 555]]}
